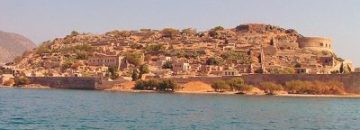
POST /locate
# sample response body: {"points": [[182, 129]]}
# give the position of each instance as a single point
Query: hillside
{"points": [[249, 48], [13, 45]]}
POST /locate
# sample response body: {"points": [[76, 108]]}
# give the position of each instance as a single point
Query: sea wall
{"points": [[89, 83], [350, 81]]}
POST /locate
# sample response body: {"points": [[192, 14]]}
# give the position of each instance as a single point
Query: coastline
{"points": [[235, 93], [199, 92]]}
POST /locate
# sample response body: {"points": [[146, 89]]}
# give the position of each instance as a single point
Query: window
{"points": [[321, 44]]}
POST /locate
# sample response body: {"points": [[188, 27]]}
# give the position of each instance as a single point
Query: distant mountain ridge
{"points": [[13, 45]]}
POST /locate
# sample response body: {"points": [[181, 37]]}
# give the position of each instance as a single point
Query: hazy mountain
{"points": [[12, 45]]}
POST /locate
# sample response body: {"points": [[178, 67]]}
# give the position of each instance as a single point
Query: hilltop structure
{"points": [[246, 49]]}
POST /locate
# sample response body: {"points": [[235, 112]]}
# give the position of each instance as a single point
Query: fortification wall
{"points": [[350, 81], [66, 82], [315, 43]]}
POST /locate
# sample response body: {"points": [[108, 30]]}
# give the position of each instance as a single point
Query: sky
{"points": [[42, 20]]}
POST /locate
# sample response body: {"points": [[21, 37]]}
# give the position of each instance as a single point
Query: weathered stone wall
{"points": [[315, 43], [66, 82], [350, 81]]}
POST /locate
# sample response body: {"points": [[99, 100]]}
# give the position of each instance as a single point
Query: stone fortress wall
{"points": [[316, 43], [350, 81], [86, 83]]}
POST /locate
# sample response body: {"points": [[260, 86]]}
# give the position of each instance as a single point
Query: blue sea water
{"points": [[77, 109]]}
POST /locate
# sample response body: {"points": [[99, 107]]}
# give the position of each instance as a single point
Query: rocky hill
{"points": [[249, 48], [13, 45]]}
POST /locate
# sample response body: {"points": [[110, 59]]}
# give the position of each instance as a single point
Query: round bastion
{"points": [[315, 43]]}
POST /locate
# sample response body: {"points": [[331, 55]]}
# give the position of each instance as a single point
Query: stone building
{"points": [[231, 72], [181, 67], [245, 68], [105, 60]]}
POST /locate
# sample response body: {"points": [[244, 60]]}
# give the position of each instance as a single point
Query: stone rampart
{"points": [[89, 83], [350, 81]]}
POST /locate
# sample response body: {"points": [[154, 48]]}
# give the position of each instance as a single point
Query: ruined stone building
{"points": [[105, 60]]}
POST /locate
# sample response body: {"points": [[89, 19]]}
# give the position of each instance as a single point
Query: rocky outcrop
{"points": [[13, 45]]}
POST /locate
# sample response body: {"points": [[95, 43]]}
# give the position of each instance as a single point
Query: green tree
{"points": [[113, 72], [144, 69], [135, 75], [342, 68]]}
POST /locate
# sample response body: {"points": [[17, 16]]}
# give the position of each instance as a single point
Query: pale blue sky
{"points": [[42, 20]]}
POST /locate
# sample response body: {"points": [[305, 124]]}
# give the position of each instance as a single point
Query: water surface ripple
{"points": [[76, 109]]}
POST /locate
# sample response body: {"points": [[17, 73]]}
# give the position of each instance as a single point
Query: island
{"points": [[253, 59]]}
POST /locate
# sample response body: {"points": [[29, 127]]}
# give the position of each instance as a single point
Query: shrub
{"points": [[282, 71], [220, 86], [134, 58], [140, 85], [296, 86], [188, 31], [155, 48], [314, 87], [22, 80], [146, 85], [170, 32], [214, 32], [159, 85], [167, 85], [43, 48], [213, 61], [270, 87], [236, 83], [238, 57], [246, 88], [74, 33], [167, 65]]}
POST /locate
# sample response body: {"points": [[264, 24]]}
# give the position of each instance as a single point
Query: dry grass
{"points": [[196, 86]]}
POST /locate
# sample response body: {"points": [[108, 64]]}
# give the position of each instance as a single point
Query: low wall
{"points": [[350, 81], [66, 82]]}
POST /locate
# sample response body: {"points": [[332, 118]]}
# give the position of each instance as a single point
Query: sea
{"points": [[54, 109]]}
